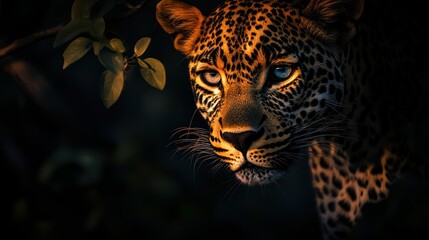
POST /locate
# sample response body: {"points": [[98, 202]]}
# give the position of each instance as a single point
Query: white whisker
{"points": [[194, 145]]}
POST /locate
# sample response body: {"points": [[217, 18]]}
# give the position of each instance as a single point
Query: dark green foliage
{"points": [[110, 51]]}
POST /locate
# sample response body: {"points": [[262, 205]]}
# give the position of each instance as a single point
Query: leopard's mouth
{"points": [[251, 174]]}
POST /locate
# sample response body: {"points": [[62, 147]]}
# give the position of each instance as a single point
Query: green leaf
{"points": [[112, 87], [106, 6], [97, 47], [76, 50], [142, 63], [98, 27], [117, 45], [154, 74], [141, 46], [111, 60], [82, 8], [78, 26], [71, 30]]}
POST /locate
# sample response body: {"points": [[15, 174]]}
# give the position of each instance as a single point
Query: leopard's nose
{"points": [[242, 140]]}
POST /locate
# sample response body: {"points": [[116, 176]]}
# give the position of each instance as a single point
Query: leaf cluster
{"points": [[87, 30]]}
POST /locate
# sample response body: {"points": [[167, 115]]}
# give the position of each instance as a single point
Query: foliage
{"points": [[87, 30]]}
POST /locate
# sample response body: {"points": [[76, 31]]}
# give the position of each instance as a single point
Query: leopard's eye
{"points": [[281, 73], [211, 77]]}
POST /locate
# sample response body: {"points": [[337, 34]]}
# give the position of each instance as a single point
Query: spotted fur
{"points": [[277, 80]]}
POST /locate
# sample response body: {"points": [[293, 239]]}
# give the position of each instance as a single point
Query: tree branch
{"points": [[25, 41], [51, 32]]}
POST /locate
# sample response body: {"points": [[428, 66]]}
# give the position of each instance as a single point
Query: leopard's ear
{"points": [[182, 21], [334, 19]]}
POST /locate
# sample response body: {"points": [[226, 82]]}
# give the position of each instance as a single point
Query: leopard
{"points": [[337, 83]]}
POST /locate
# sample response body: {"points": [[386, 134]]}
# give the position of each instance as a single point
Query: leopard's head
{"points": [[265, 75]]}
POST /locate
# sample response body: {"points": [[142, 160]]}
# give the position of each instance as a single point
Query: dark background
{"points": [[72, 169]]}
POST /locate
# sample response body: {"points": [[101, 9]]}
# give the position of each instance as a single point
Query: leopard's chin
{"points": [[254, 175]]}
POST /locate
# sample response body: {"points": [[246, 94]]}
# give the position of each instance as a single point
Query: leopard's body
{"points": [[276, 79]]}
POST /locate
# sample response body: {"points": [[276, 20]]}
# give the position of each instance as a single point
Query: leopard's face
{"points": [[261, 83], [264, 83]]}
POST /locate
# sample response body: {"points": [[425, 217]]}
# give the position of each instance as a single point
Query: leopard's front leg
{"points": [[342, 189]]}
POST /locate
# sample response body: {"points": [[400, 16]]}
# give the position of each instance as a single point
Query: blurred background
{"points": [[72, 169]]}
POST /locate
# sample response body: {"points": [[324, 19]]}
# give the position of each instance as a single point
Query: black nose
{"points": [[242, 140]]}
